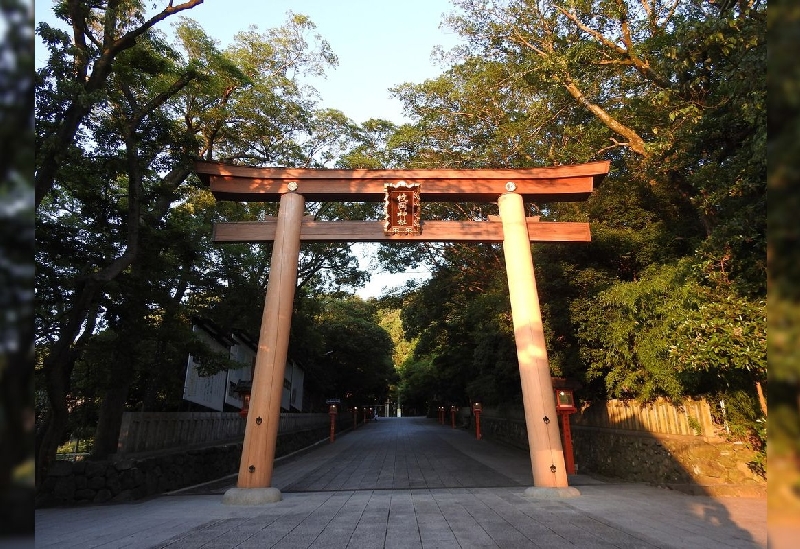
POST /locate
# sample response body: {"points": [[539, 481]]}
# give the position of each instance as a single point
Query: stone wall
{"points": [[690, 463], [130, 478], [71, 483], [510, 431], [153, 431]]}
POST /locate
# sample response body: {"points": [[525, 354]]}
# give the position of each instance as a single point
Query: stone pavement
{"points": [[412, 483]]}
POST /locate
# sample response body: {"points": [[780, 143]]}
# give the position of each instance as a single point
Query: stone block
{"points": [[45, 499], [151, 482], [112, 475], [60, 469], [128, 480], [96, 483], [86, 494], [251, 496], [123, 496], [102, 496], [64, 488], [124, 465], [49, 484], [114, 485], [96, 468]]}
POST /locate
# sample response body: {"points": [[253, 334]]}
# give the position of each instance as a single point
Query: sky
{"points": [[380, 44]]}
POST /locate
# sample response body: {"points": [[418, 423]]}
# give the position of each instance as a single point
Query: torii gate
{"points": [[402, 191]]}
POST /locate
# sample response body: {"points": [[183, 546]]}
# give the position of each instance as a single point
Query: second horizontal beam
{"points": [[372, 231]]}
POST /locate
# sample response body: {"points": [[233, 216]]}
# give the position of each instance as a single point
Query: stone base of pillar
{"points": [[251, 496], [544, 492]]}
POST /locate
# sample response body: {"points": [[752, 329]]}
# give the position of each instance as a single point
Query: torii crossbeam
{"points": [[403, 191]]}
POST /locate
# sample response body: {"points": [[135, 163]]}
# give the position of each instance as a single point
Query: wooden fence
{"points": [[693, 417], [152, 431]]}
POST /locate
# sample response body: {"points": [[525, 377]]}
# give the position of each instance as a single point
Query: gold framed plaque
{"points": [[402, 209]]}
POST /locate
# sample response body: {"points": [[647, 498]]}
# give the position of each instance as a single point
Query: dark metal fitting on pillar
{"points": [[258, 421], [252, 468], [553, 468], [546, 420]]}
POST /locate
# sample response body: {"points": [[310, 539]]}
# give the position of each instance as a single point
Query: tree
{"points": [[674, 96], [112, 186], [252, 108], [462, 324], [358, 355], [680, 85], [119, 181], [664, 335], [99, 36]]}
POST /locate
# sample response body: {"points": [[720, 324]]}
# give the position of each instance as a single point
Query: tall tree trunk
{"points": [[635, 142], [109, 420], [58, 370], [57, 367]]}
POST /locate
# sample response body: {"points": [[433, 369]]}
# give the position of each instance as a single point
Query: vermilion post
{"points": [[569, 458], [332, 411]]}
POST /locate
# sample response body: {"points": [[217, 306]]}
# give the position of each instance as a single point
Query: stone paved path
{"points": [[412, 483]]}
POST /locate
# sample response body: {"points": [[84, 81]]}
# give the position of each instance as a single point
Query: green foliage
{"points": [[667, 300], [77, 446], [462, 326], [666, 335], [669, 297], [417, 377], [356, 363], [391, 322], [726, 336], [124, 254]]}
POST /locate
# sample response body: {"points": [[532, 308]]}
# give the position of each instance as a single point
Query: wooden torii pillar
{"points": [[292, 187]]}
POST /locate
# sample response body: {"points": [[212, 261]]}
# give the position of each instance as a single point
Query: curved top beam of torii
{"points": [[571, 183]]}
